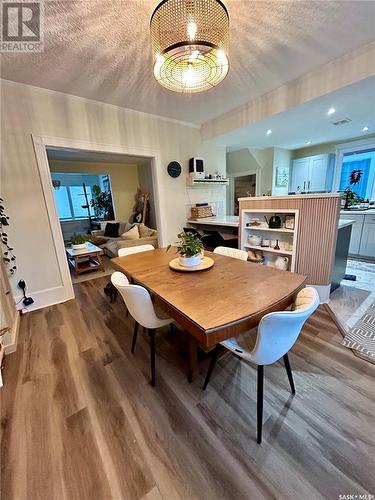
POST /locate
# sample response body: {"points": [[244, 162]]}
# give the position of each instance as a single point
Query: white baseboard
{"points": [[323, 291], [44, 298], [10, 338]]}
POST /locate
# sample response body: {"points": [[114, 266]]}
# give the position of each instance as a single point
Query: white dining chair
{"points": [[139, 304], [123, 252], [231, 252], [276, 335]]}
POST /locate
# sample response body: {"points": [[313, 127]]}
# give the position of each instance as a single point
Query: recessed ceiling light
{"points": [[269, 132], [331, 111], [365, 129], [308, 142]]}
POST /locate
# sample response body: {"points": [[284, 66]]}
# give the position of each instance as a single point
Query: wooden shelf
{"points": [[269, 249], [280, 230]]}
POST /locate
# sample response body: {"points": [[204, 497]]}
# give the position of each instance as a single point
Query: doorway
{"points": [[244, 187], [42, 146]]}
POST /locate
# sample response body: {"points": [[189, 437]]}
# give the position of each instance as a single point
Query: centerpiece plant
{"points": [[190, 247], [79, 241]]}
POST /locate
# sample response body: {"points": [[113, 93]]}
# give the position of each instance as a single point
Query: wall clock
{"points": [[174, 169]]}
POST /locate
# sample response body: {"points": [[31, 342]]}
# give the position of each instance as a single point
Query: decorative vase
{"points": [[282, 263], [190, 261], [80, 246]]}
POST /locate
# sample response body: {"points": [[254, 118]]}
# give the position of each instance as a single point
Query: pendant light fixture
{"points": [[190, 41]]}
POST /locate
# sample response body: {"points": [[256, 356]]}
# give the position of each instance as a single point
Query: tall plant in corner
{"points": [[6, 250]]}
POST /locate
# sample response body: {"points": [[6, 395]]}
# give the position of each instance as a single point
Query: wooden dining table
{"points": [[212, 305]]}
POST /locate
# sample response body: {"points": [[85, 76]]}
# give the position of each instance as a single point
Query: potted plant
{"points": [[190, 248], [102, 203], [79, 241]]}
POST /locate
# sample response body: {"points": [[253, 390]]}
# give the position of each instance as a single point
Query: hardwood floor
{"points": [[81, 421]]}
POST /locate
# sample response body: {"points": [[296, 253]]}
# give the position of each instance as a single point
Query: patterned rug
{"points": [[361, 336]]}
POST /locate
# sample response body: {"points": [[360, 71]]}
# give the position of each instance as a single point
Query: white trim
{"points": [[100, 103], [44, 298], [65, 291], [12, 336], [348, 147]]}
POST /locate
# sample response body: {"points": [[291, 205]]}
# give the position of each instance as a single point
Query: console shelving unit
{"points": [[286, 236]]}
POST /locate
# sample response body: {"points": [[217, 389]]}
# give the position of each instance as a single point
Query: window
{"points": [[359, 159], [69, 202], [78, 199], [62, 203]]}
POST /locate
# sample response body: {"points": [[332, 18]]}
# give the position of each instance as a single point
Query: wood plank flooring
{"points": [[79, 419]]}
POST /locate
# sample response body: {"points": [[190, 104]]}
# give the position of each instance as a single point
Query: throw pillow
{"points": [[132, 234], [111, 230], [144, 231], [127, 228]]}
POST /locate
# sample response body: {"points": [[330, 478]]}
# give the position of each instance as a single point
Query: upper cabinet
{"points": [[312, 174]]}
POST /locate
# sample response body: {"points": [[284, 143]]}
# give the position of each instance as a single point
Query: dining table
{"points": [[215, 304]]}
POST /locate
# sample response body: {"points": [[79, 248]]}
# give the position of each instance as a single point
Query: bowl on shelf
{"points": [[255, 240]]}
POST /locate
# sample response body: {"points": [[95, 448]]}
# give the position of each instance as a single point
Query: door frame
{"points": [[41, 144], [230, 192]]}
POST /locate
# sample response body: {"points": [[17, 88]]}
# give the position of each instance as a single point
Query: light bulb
{"points": [[191, 30], [188, 77], [331, 111]]}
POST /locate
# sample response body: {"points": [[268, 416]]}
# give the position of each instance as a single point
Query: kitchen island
{"points": [[341, 253]]}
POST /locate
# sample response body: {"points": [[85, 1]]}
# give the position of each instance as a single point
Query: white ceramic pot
{"points": [[255, 240], [80, 246], [282, 263], [190, 261]]}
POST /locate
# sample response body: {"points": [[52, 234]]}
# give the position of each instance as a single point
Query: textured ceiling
{"points": [[100, 49]]}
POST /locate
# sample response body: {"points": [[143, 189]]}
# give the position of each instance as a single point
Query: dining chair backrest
{"points": [[231, 252], [122, 252], [137, 300], [278, 331]]}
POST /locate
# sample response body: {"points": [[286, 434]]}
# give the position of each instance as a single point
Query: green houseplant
{"points": [[101, 202], [190, 248], [79, 241]]}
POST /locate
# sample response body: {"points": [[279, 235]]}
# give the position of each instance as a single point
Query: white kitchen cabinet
{"points": [[312, 174], [355, 239], [367, 247]]}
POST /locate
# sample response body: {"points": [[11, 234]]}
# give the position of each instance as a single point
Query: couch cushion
{"points": [[132, 234], [144, 231], [111, 229]]}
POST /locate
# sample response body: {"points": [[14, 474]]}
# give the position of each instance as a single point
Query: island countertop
{"points": [[218, 220]]}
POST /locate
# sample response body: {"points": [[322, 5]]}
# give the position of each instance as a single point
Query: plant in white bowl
{"points": [[190, 248], [79, 241]]}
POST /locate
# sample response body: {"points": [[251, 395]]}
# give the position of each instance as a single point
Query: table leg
{"points": [[101, 265], [193, 370]]}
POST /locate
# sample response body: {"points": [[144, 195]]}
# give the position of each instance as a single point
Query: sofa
{"points": [[139, 234]]}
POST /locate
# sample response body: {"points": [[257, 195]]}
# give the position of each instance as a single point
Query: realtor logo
{"points": [[21, 26]]}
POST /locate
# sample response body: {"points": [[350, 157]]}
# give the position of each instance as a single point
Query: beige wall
{"points": [[27, 110], [328, 147], [246, 161], [124, 181]]}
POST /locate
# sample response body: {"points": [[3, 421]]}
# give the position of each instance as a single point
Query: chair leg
{"points": [[289, 372], [211, 365], [135, 333], [152, 356], [260, 403]]}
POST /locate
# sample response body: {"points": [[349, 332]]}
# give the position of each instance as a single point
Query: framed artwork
{"points": [[282, 176]]}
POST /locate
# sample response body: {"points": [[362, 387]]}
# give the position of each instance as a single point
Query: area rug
{"points": [[361, 337]]}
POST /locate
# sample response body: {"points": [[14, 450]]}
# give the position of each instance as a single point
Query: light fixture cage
{"points": [[190, 43]]}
